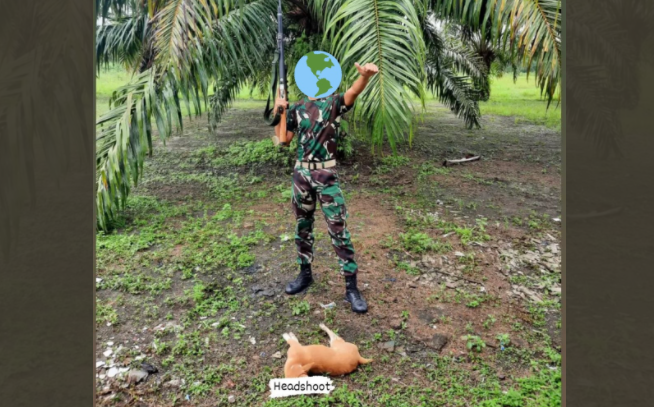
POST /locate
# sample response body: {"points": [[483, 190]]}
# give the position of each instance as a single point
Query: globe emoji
{"points": [[318, 74]]}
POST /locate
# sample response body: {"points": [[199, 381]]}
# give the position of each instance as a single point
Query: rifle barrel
{"points": [[280, 46]]}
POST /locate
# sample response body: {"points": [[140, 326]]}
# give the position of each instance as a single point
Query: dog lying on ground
{"points": [[339, 358]]}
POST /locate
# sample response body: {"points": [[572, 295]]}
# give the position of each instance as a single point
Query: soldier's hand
{"points": [[367, 70], [280, 102]]}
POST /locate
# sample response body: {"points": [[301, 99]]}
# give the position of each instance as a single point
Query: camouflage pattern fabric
{"points": [[317, 123], [321, 185]]}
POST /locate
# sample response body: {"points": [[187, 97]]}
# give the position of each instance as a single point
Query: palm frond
{"points": [[122, 41], [116, 8], [456, 92], [455, 73], [533, 27], [224, 93], [124, 137], [388, 34], [182, 74]]}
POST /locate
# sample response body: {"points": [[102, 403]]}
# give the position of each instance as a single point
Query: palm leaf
{"points": [[386, 33], [533, 27], [188, 56], [122, 41], [455, 74]]}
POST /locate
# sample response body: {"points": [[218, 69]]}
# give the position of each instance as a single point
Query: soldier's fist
{"points": [[367, 70], [280, 102]]}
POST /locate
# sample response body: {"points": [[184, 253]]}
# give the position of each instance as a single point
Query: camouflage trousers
{"points": [[321, 185]]}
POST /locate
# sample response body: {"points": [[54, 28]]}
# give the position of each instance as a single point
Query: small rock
{"points": [[108, 353], [99, 363], [113, 372], [231, 399], [532, 295], [136, 376], [268, 292], [396, 323], [277, 355], [148, 367], [459, 254], [400, 350], [501, 377], [452, 284], [411, 285], [253, 341], [328, 306], [110, 343], [438, 341], [387, 346], [427, 259], [172, 384], [256, 289], [252, 269]]}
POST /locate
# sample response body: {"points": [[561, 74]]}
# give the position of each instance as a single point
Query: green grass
{"points": [[521, 100]]}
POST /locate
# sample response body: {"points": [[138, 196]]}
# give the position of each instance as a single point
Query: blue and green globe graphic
{"points": [[318, 74]]}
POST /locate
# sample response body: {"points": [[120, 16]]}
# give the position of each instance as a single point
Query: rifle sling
{"points": [[274, 120]]}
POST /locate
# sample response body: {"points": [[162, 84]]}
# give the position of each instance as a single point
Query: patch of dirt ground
{"points": [[491, 267]]}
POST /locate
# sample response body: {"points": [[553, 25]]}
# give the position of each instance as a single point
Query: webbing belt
{"points": [[316, 165]]}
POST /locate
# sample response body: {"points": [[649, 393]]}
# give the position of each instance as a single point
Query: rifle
{"points": [[278, 71]]}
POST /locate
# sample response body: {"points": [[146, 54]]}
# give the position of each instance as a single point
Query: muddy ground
{"points": [[460, 267]]}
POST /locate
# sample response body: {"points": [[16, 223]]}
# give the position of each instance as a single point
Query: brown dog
{"points": [[337, 359]]}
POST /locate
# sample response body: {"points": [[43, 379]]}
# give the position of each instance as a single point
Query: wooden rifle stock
{"points": [[282, 124]]}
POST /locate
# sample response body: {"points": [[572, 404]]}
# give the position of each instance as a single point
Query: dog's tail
{"points": [[363, 361]]}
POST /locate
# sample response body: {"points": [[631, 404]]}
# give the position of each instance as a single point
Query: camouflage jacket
{"points": [[316, 123]]}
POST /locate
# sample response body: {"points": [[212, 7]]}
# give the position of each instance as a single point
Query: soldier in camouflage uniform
{"points": [[316, 122]]}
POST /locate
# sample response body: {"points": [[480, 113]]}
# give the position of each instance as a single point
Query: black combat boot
{"points": [[302, 281], [353, 296]]}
